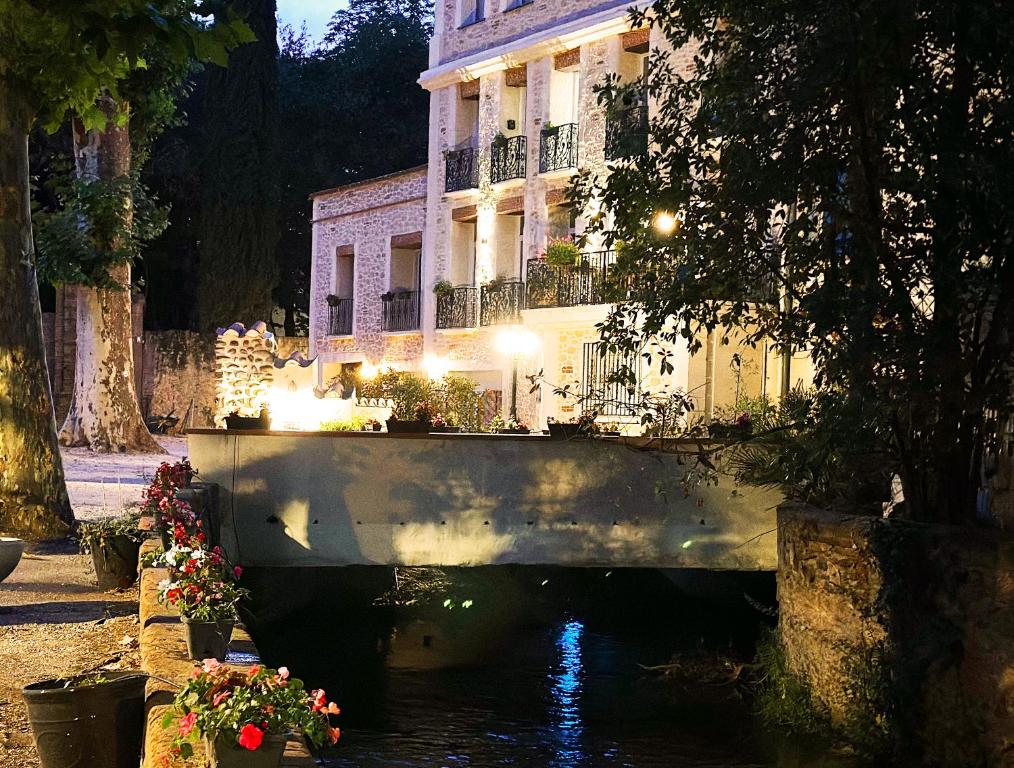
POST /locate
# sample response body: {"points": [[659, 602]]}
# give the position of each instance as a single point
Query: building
{"points": [[513, 114]]}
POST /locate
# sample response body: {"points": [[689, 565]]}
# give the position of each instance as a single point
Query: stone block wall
{"points": [[179, 367], [912, 624]]}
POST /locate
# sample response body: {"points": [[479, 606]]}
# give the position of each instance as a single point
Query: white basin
{"points": [[10, 555]]}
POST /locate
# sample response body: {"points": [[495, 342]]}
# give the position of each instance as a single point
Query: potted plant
{"points": [[93, 720], [562, 252], [500, 140], [114, 544], [332, 300], [549, 129], [235, 421], [422, 419], [576, 427], [203, 589], [245, 718], [510, 426], [443, 288], [371, 425], [739, 428]]}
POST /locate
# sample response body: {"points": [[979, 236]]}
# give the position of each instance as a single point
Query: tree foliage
{"points": [[841, 175], [239, 215]]}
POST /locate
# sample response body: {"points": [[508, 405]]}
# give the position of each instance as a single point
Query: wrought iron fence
{"points": [[461, 169], [598, 387], [585, 282], [627, 133], [501, 302], [339, 316], [401, 311], [507, 159], [558, 148], [457, 308]]}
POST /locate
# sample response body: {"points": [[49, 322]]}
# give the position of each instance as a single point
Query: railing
{"points": [[558, 148], [401, 311], [507, 159], [569, 286], [598, 388], [627, 133], [339, 317], [457, 308], [462, 169], [501, 302]]}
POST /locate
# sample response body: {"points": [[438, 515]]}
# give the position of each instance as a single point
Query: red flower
{"points": [[237, 571], [187, 723], [250, 737]]}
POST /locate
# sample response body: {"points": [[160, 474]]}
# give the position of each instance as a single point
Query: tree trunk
{"points": [[104, 413], [33, 495]]}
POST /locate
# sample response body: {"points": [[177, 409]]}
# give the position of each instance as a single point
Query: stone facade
{"points": [[903, 628], [179, 368]]}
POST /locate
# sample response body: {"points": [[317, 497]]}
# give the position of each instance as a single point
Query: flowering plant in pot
{"points": [[245, 718], [509, 426], [114, 544], [203, 589], [160, 500]]}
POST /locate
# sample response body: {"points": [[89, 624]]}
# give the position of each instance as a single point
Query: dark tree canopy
{"points": [[842, 174], [239, 171]]}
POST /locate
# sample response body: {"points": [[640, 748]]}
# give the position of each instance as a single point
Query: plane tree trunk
{"points": [[104, 413], [33, 495]]}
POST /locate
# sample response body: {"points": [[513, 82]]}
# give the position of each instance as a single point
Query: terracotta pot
{"points": [[225, 753], [208, 639]]}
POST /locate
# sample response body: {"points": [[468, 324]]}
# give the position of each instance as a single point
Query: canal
{"points": [[526, 666]]}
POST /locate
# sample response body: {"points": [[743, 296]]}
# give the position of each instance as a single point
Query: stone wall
{"points": [[902, 628], [179, 368]]}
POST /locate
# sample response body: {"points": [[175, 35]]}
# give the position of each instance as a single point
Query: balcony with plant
{"points": [[457, 306], [564, 276]]}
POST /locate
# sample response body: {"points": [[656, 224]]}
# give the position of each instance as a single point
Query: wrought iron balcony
{"points": [[501, 302], [585, 282], [401, 311], [462, 169], [457, 308], [339, 316], [627, 133], [558, 148], [507, 159]]}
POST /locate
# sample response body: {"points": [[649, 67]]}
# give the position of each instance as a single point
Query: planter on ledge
{"points": [[398, 426], [514, 431], [98, 725], [247, 422], [115, 559], [208, 639], [222, 753], [561, 431]]}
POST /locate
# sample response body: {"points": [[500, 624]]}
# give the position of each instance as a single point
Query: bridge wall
{"points": [[332, 499]]}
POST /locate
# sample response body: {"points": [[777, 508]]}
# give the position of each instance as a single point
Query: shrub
{"points": [[562, 252]]}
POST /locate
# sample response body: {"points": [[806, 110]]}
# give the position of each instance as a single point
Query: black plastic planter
{"points": [[222, 754], [93, 726], [208, 640], [398, 426], [561, 431], [115, 559]]}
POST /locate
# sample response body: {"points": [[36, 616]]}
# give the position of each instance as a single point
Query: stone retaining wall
{"points": [[164, 655], [904, 628]]}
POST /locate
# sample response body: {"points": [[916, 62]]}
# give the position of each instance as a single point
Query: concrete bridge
{"points": [[335, 499]]}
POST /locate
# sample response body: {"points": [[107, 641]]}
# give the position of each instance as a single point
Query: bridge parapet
{"points": [[333, 499]]}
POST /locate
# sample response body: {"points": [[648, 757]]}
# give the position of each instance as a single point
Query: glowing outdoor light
{"points": [[368, 370], [436, 367], [516, 342], [665, 223]]}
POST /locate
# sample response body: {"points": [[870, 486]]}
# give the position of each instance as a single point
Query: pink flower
{"points": [[220, 697], [250, 737], [187, 723], [237, 571], [210, 665], [332, 709], [283, 673]]}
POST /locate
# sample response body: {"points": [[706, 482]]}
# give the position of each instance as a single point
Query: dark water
{"points": [[527, 667]]}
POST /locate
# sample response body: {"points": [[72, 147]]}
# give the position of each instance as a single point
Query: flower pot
{"points": [[208, 639], [98, 726], [376, 427], [115, 559], [224, 752], [514, 431], [560, 431], [10, 555], [247, 422], [399, 426]]}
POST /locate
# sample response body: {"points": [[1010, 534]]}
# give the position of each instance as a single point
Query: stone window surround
{"points": [[340, 252]]}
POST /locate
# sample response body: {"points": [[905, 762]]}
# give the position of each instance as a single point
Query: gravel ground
{"points": [[54, 622], [101, 484]]}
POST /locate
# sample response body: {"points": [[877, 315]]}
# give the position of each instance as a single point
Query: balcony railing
{"points": [[558, 148], [339, 316], [401, 311], [462, 169], [507, 159], [627, 133], [501, 302], [585, 282], [457, 308]]}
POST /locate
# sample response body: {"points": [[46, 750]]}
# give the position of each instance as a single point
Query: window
{"points": [[517, 4], [602, 394], [471, 12]]}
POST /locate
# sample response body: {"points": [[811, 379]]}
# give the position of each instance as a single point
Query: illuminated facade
{"points": [[513, 114]]}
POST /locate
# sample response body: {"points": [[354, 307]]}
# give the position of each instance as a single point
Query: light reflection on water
{"points": [[566, 691]]}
